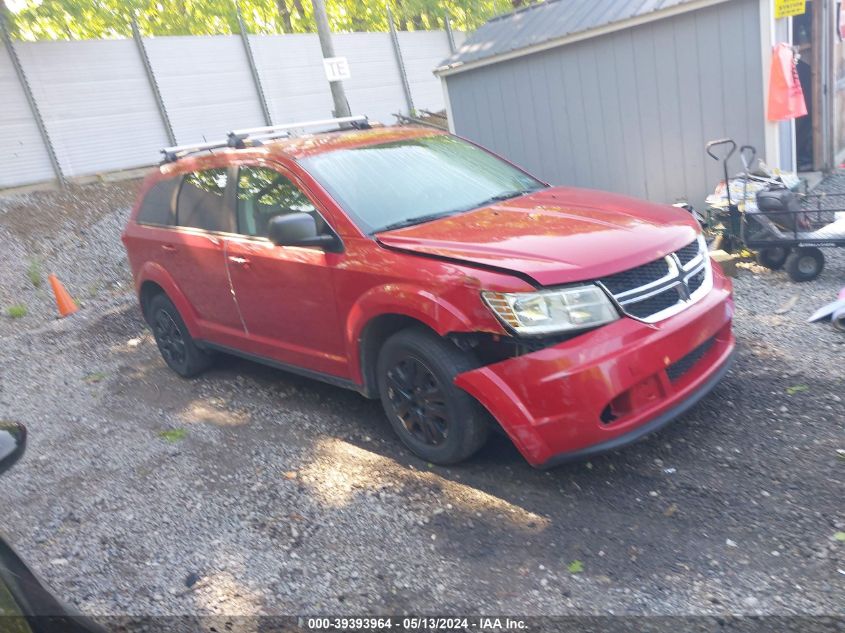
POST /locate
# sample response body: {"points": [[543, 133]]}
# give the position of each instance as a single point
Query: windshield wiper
{"points": [[420, 219], [499, 197]]}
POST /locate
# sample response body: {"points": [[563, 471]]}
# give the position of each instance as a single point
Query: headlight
{"points": [[552, 311]]}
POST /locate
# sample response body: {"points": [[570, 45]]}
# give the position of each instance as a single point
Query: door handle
{"points": [[243, 262], [168, 248]]}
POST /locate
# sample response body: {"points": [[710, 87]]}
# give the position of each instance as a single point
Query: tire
{"points": [[437, 421], [805, 264], [175, 343], [773, 257]]}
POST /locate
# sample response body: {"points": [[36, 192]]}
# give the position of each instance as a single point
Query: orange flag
{"points": [[786, 99]]}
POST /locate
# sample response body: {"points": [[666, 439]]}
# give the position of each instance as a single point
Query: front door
{"points": [[285, 293]]}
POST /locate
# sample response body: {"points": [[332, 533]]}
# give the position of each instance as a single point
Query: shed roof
{"points": [[556, 22]]}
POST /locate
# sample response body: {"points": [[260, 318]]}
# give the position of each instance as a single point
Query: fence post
{"points": [[397, 51], [256, 79], [30, 98], [449, 34], [148, 68]]}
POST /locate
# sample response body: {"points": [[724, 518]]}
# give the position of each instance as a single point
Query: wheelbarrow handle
{"points": [[745, 151], [722, 141]]}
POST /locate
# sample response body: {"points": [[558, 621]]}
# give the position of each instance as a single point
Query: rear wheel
{"points": [[175, 343], [773, 257], [805, 264], [434, 419]]}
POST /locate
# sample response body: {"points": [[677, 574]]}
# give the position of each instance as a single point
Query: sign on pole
{"points": [[788, 8], [337, 68]]}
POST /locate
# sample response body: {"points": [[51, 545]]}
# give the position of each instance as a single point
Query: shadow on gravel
{"points": [[727, 471]]}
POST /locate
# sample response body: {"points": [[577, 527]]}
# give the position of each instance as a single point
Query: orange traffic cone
{"points": [[64, 302]]}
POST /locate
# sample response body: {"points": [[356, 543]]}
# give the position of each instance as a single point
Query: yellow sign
{"points": [[788, 8]]}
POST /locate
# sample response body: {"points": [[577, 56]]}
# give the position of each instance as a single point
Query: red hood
{"points": [[555, 236]]}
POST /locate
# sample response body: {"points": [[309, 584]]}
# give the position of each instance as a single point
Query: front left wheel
{"points": [[437, 421], [175, 343]]}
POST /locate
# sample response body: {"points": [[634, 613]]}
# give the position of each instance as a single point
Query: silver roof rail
{"points": [[257, 135], [172, 154], [238, 138]]}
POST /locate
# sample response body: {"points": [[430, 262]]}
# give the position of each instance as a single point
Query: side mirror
{"points": [[300, 229], [12, 443]]}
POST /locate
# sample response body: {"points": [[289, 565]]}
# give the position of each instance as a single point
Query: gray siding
{"points": [[628, 112]]}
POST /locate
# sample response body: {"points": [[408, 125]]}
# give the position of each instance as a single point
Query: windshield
{"points": [[415, 180]]}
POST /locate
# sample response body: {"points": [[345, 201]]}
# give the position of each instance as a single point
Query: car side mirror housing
{"points": [[12, 443], [300, 229]]}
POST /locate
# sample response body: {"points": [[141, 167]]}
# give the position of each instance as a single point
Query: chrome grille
{"points": [[636, 277], [665, 286], [688, 253], [654, 304]]}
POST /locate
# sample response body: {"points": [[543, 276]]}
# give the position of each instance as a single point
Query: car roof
{"points": [[296, 148], [312, 144]]}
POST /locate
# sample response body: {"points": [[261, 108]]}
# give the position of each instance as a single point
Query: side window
{"points": [[202, 202], [264, 193], [158, 205]]}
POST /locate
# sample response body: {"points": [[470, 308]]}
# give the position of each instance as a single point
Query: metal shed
{"points": [[619, 95]]}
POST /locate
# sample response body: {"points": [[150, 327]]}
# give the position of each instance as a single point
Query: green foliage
{"points": [[91, 19], [97, 376], [33, 271], [173, 435], [16, 311], [575, 567]]}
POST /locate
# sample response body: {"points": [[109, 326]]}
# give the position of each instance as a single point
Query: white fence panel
{"points": [[101, 113], [24, 158], [291, 70], [422, 51], [205, 84], [96, 103], [375, 88]]}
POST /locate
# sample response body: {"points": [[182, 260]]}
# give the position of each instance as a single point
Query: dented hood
{"points": [[555, 236]]}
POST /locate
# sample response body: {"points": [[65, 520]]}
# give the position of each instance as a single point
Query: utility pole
{"points": [[341, 106]]}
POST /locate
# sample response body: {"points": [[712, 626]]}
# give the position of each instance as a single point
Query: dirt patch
{"points": [[32, 216], [74, 233]]}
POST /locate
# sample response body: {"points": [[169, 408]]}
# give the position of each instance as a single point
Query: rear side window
{"points": [[264, 193], [159, 204], [202, 202]]}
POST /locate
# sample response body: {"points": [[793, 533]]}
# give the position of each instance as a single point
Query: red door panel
{"points": [[196, 263], [286, 297]]}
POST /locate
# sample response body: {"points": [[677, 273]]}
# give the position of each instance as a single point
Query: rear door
{"points": [[285, 293], [193, 253]]}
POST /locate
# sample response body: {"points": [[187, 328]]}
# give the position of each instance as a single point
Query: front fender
{"points": [[153, 272], [440, 312]]}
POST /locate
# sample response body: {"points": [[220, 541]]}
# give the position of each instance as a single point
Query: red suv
{"points": [[415, 267]]}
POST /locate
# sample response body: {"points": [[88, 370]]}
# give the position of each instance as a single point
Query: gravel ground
{"points": [[251, 491]]}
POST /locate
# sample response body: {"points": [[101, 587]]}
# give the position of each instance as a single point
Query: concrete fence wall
{"points": [[100, 111]]}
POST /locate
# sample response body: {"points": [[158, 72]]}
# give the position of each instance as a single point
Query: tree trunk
{"points": [[297, 4], [284, 14]]}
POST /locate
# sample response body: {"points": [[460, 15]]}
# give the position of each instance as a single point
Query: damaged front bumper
{"points": [[611, 386]]}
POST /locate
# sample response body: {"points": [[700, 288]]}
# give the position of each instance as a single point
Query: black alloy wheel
{"points": [[170, 341], [418, 400], [177, 347], [436, 420]]}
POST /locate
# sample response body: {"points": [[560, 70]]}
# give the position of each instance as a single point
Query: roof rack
{"points": [[251, 137], [172, 154], [238, 138]]}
